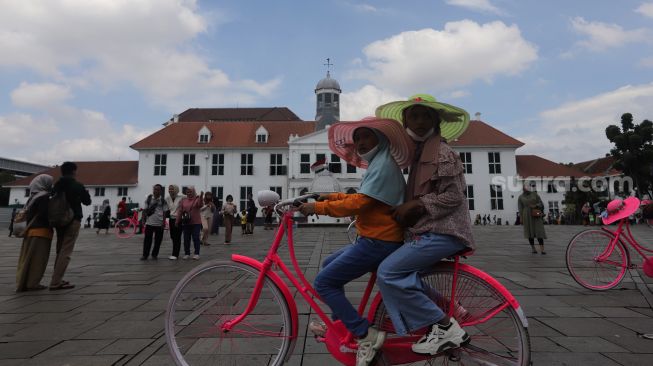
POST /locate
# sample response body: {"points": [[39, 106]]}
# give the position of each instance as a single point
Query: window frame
{"points": [[276, 164], [161, 165], [189, 168], [494, 162], [304, 165], [217, 164], [496, 197], [246, 164], [469, 194], [243, 199], [466, 159]]}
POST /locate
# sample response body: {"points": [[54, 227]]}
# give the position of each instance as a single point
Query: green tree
{"points": [[633, 150]]}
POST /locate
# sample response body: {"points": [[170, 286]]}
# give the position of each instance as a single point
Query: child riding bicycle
{"points": [[382, 147]]}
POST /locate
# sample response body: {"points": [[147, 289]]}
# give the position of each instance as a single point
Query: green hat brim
{"points": [[454, 120]]}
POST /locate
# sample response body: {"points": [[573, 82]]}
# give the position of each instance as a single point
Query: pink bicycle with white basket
{"points": [[241, 311]]}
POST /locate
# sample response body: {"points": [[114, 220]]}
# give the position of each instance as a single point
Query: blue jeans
{"points": [[194, 231], [345, 265], [398, 279]]}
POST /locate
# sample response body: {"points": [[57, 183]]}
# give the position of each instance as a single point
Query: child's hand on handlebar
{"points": [[307, 208], [322, 197]]}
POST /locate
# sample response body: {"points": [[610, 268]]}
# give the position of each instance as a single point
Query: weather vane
{"points": [[328, 64]]}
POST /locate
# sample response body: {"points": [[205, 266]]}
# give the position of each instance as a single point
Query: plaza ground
{"points": [[115, 314]]}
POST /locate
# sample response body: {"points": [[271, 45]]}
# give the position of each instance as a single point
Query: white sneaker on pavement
{"points": [[185, 257], [441, 338], [368, 346], [172, 258], [196, 257]]}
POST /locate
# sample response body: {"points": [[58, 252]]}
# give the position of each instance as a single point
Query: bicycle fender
{"points": [[284, 290]]}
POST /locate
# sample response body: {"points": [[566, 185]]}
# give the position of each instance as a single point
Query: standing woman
{"points": [[206, 213], [188, 217], [531, 211], [229, 211], [175, 231], [436, 216], [35, 251], [105, 217]]}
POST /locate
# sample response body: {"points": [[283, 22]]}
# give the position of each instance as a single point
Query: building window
{"points": [[122, 191], [305, 163], [160, 161], [466, 158], [276, 165], [244, 192], [551, 188], [277, 189], [26, 192], [554, 209], [246, 164], [469, 193], [261, 138], [334, 165], [495, 162], [99, 192], [351, 169], [204, 138], [189, 167], [496, 197], [217, 164], [218, 194]]}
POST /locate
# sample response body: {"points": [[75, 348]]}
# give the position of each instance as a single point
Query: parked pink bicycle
{"points": [[241, 312], [599, 258]]}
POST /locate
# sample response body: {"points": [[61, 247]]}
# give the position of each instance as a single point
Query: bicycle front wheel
{"points": [[214, 293], [125, 228], [497, 334], [590, 266]]}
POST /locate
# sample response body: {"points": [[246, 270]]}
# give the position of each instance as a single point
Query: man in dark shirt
{"points": [[76, 195]]}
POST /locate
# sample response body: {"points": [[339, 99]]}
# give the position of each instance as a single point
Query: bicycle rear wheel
{"points": [[585, 266], [501, 339], [216, 292], [125, 228]]}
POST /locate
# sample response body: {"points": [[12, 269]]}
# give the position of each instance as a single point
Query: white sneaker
{"points": [[185, 257], [196, 256], [172, 258], [441, 338], [368, 346]]}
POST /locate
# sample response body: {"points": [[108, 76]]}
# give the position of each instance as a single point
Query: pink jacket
{"points": [[191, 205]]}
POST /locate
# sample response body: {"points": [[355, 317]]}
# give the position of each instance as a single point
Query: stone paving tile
{"points": [[75, 348], [125, 346], [24, 349], [544, 344], [587, 344], [49, 331], [616, 312], [107, 360], [572, 312], [569, 359], [631, 359]]}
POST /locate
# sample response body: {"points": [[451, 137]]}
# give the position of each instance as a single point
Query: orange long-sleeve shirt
{"points": [[373, 218]]}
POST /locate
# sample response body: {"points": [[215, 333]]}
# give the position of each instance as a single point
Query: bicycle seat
{"points": [[463, 254]]}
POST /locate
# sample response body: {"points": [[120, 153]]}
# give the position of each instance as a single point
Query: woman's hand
{"points": [[408, 213], [307, 208]]}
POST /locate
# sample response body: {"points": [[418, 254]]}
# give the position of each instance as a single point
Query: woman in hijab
{"points": [[105, 217], [35, 250], [173, 200], [188, 217], [382, 147]]}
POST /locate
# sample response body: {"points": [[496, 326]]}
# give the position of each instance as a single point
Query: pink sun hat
{"points": [[618, 209], [341, 140]]}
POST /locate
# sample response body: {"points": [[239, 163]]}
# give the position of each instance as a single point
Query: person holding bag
{"points": [[35, 251], [229, 211], [530, 208], [188, 216]]}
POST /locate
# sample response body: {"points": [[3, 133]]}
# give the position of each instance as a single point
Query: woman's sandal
{"points": [[64, 285]]}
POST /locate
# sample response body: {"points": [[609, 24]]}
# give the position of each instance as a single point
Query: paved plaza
{"points": [[115, 314]]}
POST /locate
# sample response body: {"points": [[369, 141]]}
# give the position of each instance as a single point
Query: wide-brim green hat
{"points": [[454, 120]]}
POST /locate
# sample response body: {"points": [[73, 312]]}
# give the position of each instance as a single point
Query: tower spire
{"points": [[328, 65]]}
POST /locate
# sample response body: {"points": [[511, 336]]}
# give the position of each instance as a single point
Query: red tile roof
{"points": [[93, 173], [598, 167], [480, 133], [535, 166], [224, 135], [237, 114]]}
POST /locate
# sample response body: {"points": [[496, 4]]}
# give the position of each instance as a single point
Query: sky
{"points": [[83, 80]]}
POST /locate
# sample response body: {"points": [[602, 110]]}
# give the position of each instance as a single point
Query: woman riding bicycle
{"points": [[380, 146], [436, 216]]}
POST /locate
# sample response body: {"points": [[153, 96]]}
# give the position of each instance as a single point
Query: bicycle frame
{"points": [[338, 340], [630, 239]]}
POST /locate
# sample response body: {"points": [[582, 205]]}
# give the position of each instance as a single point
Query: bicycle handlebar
{"points": [[294, 202]]}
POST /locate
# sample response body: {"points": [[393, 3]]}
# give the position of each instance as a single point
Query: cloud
{"points": [[434, 60], [362, 102], [484, 6], [39, 95], [646, 9], [602, 36], [148, 44], [646, 62], [575, 131]]}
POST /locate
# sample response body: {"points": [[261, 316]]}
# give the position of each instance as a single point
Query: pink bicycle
{"points": [[241, 312], [599, 258]]}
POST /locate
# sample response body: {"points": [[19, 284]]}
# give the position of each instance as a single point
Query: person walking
{"points": [[206, 214], [172, 201], [251, 214], [229, 211], [76, 195], [188, 214], [155, 208], [35, 250], [531, 211], [11, 223], [585, 213], [105, 217]]}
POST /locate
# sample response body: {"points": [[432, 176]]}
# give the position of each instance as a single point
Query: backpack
{"points": [[60, 213]]}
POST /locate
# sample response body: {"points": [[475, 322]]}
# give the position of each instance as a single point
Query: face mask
{"points": [[368, 156], [415, 137]]}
